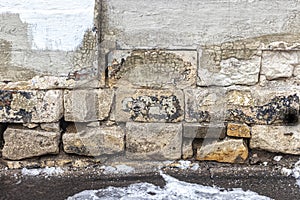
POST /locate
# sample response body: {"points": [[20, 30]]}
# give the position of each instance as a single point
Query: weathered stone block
{"points": [[149, 105], [155, 141], [229, 64], [205, 105], [283, 139], [245, 105], [26, 143], [238, 130], [279, 64], [31, 106], [87, 105], [228, 150], [204, 130], [152, 68], [95, 141]]}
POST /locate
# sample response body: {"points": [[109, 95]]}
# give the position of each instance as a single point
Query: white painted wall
{"points": [[53, 24]]}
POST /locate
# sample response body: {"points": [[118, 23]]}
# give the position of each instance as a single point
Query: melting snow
{"points": [[294, 172], [173, 190], [48, 171], [122, 169]]}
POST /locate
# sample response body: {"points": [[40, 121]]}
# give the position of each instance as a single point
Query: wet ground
{"points": [[266, 181]]}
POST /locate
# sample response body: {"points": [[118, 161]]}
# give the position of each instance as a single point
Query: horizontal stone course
{"points": [[245, 105], [31, 106]]}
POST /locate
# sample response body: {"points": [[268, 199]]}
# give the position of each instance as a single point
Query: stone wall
{"points": [[163, 80]]}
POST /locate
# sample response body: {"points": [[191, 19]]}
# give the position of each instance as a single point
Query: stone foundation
{"points": [[154, 100]]}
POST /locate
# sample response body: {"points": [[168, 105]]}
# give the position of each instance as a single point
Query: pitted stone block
{"points": [[281, 139], [149, 105], [27, 143], [155, 141], [152, 68], [95, 141], [244, 105], [31, 106], [230, 63]]}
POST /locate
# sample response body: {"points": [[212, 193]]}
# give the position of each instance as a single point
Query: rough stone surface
{"points": [[187, 148], [95, 141], [152, 68], [283, 139], [52, 127], [194, 130], [279, 64], [26, 143], [228, 150], [38, 38], [31, 106], [238, 130], [245, 105], [176, 24], [149, 105], [153, 141], [229, 64], [87, 105]]}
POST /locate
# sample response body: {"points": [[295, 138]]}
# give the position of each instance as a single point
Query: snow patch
{"points": [[295, 172], [118, 169], [174, 189], [48, 171]]}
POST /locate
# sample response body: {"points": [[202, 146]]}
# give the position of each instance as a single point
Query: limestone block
{"points": [[27, 143], [95, 141], [87, 105], [238, 130], [279, 64], [204, 130], [31, 106], [152, 68], [228, 150], [144, 105], [153, 141], [54, 127], [205, 105], [283, 139], [243, 104], [229, 64]]}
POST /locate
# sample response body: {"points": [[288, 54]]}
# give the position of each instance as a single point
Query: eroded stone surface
{"points": [[26, 143], [230, 63], [238, 130], [228, 150], [87, 105], [246, 105], [95, 141], [149, 105], [154, 141], [279, 64], [283, 139], [31, 106], [152, 68]]}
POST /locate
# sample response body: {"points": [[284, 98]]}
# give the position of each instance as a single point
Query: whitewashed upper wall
{"points": [[189, 23], [42, 37]]}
